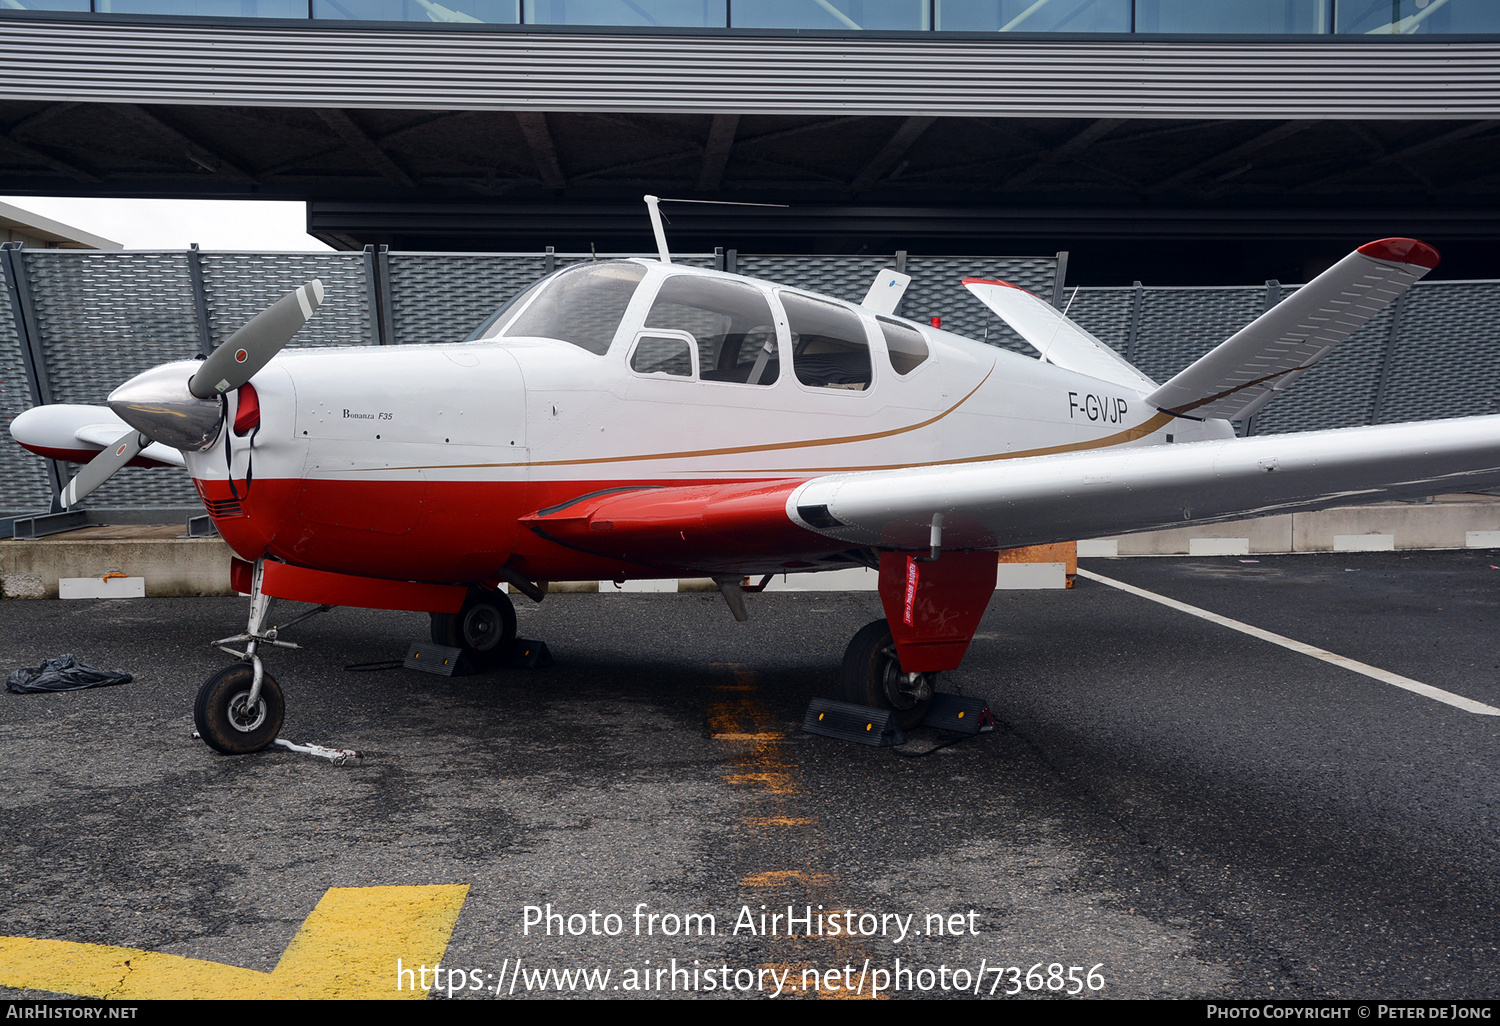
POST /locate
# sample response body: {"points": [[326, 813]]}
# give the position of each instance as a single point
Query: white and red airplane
{"points": [[635, 419]]}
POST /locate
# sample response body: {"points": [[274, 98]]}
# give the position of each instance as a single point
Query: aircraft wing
{"points": [[1064, 497], [1023, 501]]}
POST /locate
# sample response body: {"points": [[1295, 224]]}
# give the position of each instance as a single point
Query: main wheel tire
{"points": [[226, 723], [871, 675], [484, 627]]}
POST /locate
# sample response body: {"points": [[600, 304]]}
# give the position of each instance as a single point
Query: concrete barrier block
{"points": [[1029, 576], [638, 586], [175, 566], [1266, 534], [101, 587], [856, 578], [1364, 542], [1218, 546], [22, 586]]}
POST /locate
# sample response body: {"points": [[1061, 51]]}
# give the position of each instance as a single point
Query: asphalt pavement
{"points": [[1167, 808]]}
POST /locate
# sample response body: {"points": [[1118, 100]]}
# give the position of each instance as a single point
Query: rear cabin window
{"points": [[903, 344], [582, 305], [829, 345], [730, 321]]}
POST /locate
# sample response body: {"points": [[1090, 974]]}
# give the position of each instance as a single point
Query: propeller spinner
{"points": [[181, 404]]}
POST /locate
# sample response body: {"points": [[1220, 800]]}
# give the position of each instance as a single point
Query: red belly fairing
{"points": [[464, 532]]}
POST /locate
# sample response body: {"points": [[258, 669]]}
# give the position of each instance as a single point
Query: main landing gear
{"points": [[932, 608], [871, 675], [484, 628]]}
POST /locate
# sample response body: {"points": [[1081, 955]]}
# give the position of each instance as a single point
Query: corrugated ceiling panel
{"points": [[323, 65]]}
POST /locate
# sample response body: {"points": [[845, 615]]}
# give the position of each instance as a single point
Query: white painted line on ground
{"points": [[1384, 676]]}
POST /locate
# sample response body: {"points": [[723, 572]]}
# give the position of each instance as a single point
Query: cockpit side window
{"points": [[665, 354], [904, 345], [829, 346], [730, 321], [582, 305]]}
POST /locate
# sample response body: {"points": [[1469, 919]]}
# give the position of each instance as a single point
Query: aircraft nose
{"points": [[157, 403]]}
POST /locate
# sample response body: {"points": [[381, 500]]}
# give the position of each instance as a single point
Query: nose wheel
{"points": [[484, 627], [871, 675], [233, 716]]}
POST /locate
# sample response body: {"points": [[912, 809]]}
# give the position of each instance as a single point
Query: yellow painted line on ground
{"points": [[738, 719], [347, 948], [775, 783], [781, 877], [764, 821]]}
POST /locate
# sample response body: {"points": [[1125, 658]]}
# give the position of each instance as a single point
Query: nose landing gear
{"points": [[239, 709], [236, 715]]}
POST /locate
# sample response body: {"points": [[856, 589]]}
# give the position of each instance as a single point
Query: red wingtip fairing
{"points": [[247, 414], [1402, 251]]}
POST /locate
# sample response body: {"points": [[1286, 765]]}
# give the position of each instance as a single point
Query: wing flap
{"points": [[1262, 359], [1056, 339], [1041, 499]]}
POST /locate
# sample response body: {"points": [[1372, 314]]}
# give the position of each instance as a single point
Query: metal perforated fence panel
{"points": [[1340, 390], [1446, 361], [23, 477], [238, 286], [100, 318], [440, 297], [1179, 325]]}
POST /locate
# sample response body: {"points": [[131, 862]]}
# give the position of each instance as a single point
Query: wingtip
{"points": [[1402, 251], [995, 281]]}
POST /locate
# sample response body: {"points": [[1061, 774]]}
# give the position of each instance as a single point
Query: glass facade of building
{"points": [[1205, 17]]}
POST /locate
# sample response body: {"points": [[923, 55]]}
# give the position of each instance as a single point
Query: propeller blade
{"points": [[252, 347], [102, 467]]}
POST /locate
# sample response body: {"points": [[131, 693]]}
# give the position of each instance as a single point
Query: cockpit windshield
{"points": [[496, 322], [582, 304]]}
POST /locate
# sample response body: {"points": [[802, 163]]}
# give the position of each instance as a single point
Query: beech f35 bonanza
{"points": [[633, 419]]}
